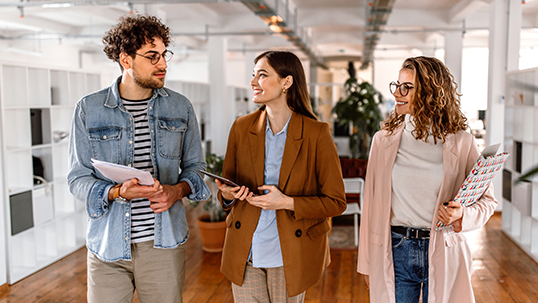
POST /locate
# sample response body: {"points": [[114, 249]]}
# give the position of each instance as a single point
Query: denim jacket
{"points": [[104, 130]]}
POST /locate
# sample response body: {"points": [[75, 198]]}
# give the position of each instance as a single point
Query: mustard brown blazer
{"points": [[310, 173]]}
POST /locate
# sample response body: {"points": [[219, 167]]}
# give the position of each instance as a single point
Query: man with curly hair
{"points": [[137, 233]]}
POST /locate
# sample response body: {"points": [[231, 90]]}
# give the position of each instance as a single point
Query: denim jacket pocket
{"points": [[105, 142], [170, 136]]}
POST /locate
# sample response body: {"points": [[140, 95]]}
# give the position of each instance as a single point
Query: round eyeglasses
{"points": [[167, 55], [404, 88]]}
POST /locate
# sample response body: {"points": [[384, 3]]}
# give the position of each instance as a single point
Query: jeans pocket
{"points": [[397, 239]]}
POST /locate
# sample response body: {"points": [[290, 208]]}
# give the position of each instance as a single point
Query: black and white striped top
{"points": [[142, 216]]}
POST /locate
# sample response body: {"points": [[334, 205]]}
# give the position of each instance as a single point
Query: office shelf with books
{"points": [[520, 207], [43, 219]]}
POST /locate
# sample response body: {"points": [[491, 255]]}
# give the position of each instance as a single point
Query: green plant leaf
{"points": [[360, 108], [528, 174]]}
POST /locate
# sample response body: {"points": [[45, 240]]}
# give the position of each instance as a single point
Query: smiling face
{"points": [[404, 103], [266, 84], [145, 74]]}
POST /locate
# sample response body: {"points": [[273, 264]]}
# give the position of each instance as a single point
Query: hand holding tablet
{"points": [[221, 179]]}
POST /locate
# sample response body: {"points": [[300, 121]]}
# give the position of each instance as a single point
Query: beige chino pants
{"points": [[157, 275]]}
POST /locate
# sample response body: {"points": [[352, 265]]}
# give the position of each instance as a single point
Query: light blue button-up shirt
{"points": [[265, 250]]}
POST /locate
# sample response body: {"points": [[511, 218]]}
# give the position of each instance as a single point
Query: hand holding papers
{"points": [[479, 177], [121, 173]]}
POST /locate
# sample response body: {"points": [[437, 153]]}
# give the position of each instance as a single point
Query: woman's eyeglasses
{"points": [[404, 88]]}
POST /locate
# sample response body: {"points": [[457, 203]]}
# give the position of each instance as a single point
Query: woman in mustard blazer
{"points": [[287, 165]]}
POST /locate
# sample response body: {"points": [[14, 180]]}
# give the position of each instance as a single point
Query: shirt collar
{"points": [[113, 97], [268, 126]]}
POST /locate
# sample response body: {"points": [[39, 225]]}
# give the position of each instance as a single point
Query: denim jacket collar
{"points": [[113, 98]]}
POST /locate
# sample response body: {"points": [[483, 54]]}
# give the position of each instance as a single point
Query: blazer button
{"points": [[237, 225], [298, 233]]}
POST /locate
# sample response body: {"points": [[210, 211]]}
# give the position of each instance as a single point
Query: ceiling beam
{"points": [[464, 8], [281, 24], [378, 14]]}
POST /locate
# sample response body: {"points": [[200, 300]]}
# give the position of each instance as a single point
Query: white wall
{"points": [[474, 81]]}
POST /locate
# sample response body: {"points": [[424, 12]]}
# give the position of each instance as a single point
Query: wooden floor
{"points": [[502, 273]]}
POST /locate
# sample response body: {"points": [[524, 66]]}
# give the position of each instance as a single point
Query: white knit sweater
{"points": [[416, 179]]}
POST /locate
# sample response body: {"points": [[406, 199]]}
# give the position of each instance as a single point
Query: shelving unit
{"points": [[36, 106], [520, 207], [242, 98], [199, 95]]}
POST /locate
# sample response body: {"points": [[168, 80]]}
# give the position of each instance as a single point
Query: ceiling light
{"points": [[23, 52], [56, 5], [276, 19], [275, 28]]}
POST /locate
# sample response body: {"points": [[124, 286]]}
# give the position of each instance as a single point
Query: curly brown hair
{"points": [[131, 33], [436, 103]]}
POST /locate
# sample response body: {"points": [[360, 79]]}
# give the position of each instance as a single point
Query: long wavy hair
{"points": [[435, 104], [287, 64]]}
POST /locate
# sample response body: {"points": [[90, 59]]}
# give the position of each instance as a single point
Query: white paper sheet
{"points": [[121, 173]]}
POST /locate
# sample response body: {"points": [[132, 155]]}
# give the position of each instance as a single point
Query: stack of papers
{"points": [[479, 177], [121, 173]]}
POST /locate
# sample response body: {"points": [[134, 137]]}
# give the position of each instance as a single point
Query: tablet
{"points": [[221, 179]]}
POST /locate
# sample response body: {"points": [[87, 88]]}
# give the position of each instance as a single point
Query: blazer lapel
{"points": [[450, 160], [294, 141], [393, 143], [257, 147]]}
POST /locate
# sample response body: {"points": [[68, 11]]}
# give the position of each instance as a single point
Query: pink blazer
{"points": [[449, 254]]}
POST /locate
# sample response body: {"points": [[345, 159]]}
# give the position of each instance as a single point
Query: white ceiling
{"points": [[334, 29]]}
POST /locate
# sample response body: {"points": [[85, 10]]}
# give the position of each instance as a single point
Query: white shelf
{"points": [[19, 133], [520, 215], [57, 224], [39, 92], [59, 87], [14, 86]]}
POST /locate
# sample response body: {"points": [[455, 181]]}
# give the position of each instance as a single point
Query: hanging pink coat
{"points": [[449, 254]]}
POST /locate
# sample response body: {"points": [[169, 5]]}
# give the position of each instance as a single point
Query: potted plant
{"points": [[212, 225], [360, 109]]}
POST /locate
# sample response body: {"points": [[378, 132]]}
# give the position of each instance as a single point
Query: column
{"points": [[498, 23], [220, 107], [249, 67], [514, 34], [453, 55], [312, 79]]}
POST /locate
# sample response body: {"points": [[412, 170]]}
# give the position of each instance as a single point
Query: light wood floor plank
{"points": [[502, 273]]}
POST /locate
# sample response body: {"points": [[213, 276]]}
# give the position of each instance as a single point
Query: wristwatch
{"points": [[116, 194]]}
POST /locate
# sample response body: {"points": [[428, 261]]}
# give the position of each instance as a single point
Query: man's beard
{"points": [[148, 82]]}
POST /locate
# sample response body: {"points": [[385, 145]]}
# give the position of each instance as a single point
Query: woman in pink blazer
{"points": [[417, 162]]}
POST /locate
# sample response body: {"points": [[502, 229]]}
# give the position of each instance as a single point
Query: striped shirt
{"points": [[142, 216]]}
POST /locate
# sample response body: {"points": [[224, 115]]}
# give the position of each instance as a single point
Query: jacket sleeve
{"points": [[363, 262], [81, 178], [331, 200], [478, 214], [193, 160]]}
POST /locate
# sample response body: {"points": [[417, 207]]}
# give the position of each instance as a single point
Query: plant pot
{"points": [[212, 233]]}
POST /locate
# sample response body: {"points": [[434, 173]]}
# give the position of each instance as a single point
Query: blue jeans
{"points": [[410, 258]]}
